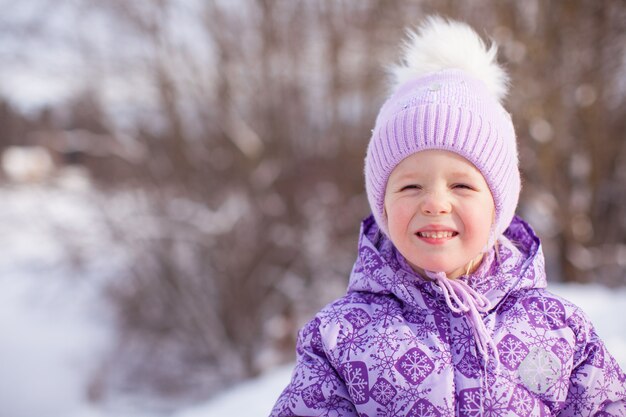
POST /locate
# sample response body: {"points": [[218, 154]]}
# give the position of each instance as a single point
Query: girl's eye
{"points": [[411, 187], [463, 186]]}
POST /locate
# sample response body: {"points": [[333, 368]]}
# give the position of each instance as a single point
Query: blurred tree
{"points": [[10, 121], [85, 111], [570, 117]]}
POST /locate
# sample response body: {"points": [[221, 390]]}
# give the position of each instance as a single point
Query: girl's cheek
{"points": [[404, 212], [398, 215], [478, 221]]}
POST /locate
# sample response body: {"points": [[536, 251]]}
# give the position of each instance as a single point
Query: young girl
{"points": [[447, 312]]}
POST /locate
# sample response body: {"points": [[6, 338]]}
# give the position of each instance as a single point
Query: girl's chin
{"points": [[452, 271]]}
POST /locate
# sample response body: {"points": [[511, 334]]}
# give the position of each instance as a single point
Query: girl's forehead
{"points": [[435, 161]]}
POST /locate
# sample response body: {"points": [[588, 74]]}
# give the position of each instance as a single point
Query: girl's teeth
{"points": [[436, 235]]}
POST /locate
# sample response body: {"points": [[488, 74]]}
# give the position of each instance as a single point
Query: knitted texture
{"points": [[446, 110]]}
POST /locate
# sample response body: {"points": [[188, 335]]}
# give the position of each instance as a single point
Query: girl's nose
{"points": [[435, 204]]}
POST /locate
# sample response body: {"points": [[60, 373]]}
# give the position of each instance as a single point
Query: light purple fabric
{"points": [[461, 298], [392, 346], [447, 110]]}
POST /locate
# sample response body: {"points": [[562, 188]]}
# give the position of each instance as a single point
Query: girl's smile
{"points": [[439, 211], [435, 234]]}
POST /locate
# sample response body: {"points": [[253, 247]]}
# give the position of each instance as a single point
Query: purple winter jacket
{"points": [[392, 347]]}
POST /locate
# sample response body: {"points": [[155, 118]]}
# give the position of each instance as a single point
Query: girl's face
{"points": [[439, 212]]}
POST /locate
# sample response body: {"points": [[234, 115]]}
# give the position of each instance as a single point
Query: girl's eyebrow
{"points": [[407, 176], [462, 174]]}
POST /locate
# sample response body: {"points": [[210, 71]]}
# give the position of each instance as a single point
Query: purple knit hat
{"points": [[448, 98]]}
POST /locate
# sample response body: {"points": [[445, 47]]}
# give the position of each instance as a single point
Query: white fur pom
{"points": [[440, 44]]}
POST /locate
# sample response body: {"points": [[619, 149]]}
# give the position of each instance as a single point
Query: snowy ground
{"points": [[49, 337], [54, 328]]}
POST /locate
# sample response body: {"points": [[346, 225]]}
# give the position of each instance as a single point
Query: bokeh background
{"points": [[196, 165]]}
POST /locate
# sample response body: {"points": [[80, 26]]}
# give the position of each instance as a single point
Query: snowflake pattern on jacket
{"points": [[392, 347]]}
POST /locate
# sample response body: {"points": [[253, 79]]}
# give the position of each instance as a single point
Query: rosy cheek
{"points": [[401, 213], [396, 214], [479, 224]]}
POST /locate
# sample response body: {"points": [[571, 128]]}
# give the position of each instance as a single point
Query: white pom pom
{"points": [[441, 44]]}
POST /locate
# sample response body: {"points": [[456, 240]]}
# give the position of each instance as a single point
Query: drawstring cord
{"points": [[471, 302], [461, 298]]}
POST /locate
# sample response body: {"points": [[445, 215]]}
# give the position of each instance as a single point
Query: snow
{"points": [[47, 347], [53, 325], [252, 398], [55, 329]]}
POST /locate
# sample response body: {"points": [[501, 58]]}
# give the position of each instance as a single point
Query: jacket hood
{"points": [[515, 263]]}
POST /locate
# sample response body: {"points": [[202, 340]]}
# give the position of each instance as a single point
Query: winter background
{"points": [[181, 184]]}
